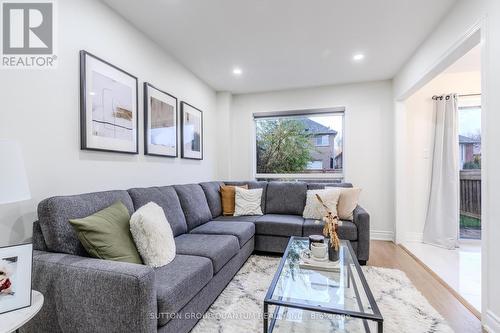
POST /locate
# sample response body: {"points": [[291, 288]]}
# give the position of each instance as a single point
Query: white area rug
{"points": [[239, 308]]}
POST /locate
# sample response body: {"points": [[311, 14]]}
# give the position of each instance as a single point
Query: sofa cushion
{"points": [[178, 282], [347, 230], [243, 230], [218, 248], [320, 186], [279, 225], [166, 198], [286, 198], [238, 218], [54, 215], [253, 185], [212, 194], [194, 204]]}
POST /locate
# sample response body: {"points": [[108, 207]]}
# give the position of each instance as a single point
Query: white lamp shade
{"points": [[13, 181]]}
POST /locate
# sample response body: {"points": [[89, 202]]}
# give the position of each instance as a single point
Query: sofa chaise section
{"points": [[283, 205]]}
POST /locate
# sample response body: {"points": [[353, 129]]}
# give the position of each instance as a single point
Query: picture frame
{"points": [[16, 264], [109, 117], [191, 132], [160, 122]]}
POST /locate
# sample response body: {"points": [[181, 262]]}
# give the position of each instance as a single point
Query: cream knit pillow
{"points": [[152, 235], [314, 209], [349, 198]]}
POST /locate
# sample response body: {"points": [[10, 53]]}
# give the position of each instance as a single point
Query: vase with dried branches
{"points": [[330, 230]]}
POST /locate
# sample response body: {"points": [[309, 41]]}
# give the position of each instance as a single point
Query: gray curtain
{"points": [[441, 224]]}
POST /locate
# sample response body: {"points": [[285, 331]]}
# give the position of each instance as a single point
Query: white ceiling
{"points": [[281, 44]]}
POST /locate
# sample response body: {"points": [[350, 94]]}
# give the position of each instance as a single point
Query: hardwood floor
{"points": [[389, 255]]}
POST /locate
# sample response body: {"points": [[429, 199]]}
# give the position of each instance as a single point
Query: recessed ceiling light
{"points": [[237, 71], [358, 57]]}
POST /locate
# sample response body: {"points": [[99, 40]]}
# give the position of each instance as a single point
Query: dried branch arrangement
{"points": [[331, 225]]}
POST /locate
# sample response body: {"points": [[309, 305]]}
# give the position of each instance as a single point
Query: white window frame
{"points": [[291, 176]]}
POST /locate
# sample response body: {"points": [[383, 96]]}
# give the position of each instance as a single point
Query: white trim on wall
{"points": [[384, 235], [472, 37], [491, 322]]}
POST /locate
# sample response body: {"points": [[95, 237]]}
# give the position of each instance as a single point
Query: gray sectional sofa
{"points": [[84, 294]]}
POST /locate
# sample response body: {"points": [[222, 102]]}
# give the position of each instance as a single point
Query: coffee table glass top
{"points": [[341, 292]]}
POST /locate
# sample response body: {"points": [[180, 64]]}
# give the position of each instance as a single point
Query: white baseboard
{"points": [[382, 235], [491, 322]]}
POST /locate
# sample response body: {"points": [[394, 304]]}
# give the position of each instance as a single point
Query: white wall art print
{"points": [[160, 122], [192, 132], [108, 110]]}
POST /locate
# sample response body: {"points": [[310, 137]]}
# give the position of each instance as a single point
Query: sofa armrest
{"points": [[93, 295], [362, 220]]}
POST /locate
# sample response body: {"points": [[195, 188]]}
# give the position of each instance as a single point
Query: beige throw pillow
{"points": [[247, 202], [314, 209], [349, 198]]}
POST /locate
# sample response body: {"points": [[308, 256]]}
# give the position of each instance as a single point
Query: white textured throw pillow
{"points": [[152, 235], [314, 209], [247, 202]]}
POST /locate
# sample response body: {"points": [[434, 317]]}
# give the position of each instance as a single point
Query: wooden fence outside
{"points": [[470, 193]]}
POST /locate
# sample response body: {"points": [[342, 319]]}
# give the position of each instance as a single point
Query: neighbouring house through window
{"points": [[300, 144]]}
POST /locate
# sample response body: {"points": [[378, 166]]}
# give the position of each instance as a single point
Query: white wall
{"points": [[455, 27], [419, 127], [368, 138], [40, 109]]}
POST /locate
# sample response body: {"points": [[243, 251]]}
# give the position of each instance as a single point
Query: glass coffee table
{"points": [[308, 300]]}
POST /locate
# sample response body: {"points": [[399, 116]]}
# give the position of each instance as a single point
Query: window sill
{"points": [[322, 175]]}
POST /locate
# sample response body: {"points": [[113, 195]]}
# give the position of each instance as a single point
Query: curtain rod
{"points": [[466, 95], [448, 96]]}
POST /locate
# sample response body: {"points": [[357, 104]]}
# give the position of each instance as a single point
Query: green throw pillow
{"points": [[106, 234]]}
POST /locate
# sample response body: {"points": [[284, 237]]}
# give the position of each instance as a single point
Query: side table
{"points": [[12, 321]]}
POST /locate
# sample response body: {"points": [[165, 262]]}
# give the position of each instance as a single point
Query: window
{"points": [[315, 165], [469, 130], [469, 140], [322, 140], [299, 144]]}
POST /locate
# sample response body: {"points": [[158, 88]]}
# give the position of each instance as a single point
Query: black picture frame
{"points": [[183, 152], [30, 277], [148, 85], [83, 105]]}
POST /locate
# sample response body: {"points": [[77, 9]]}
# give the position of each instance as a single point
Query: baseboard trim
{"points": [[382, 235], [462, 300], [491, 322]]}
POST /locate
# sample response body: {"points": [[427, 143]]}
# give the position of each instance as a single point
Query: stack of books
{"points": [[308, 261]]}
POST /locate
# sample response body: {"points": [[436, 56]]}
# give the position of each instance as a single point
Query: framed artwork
{"points": [[15, 277], [160, 122], [192, 132], [108, 107]]}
